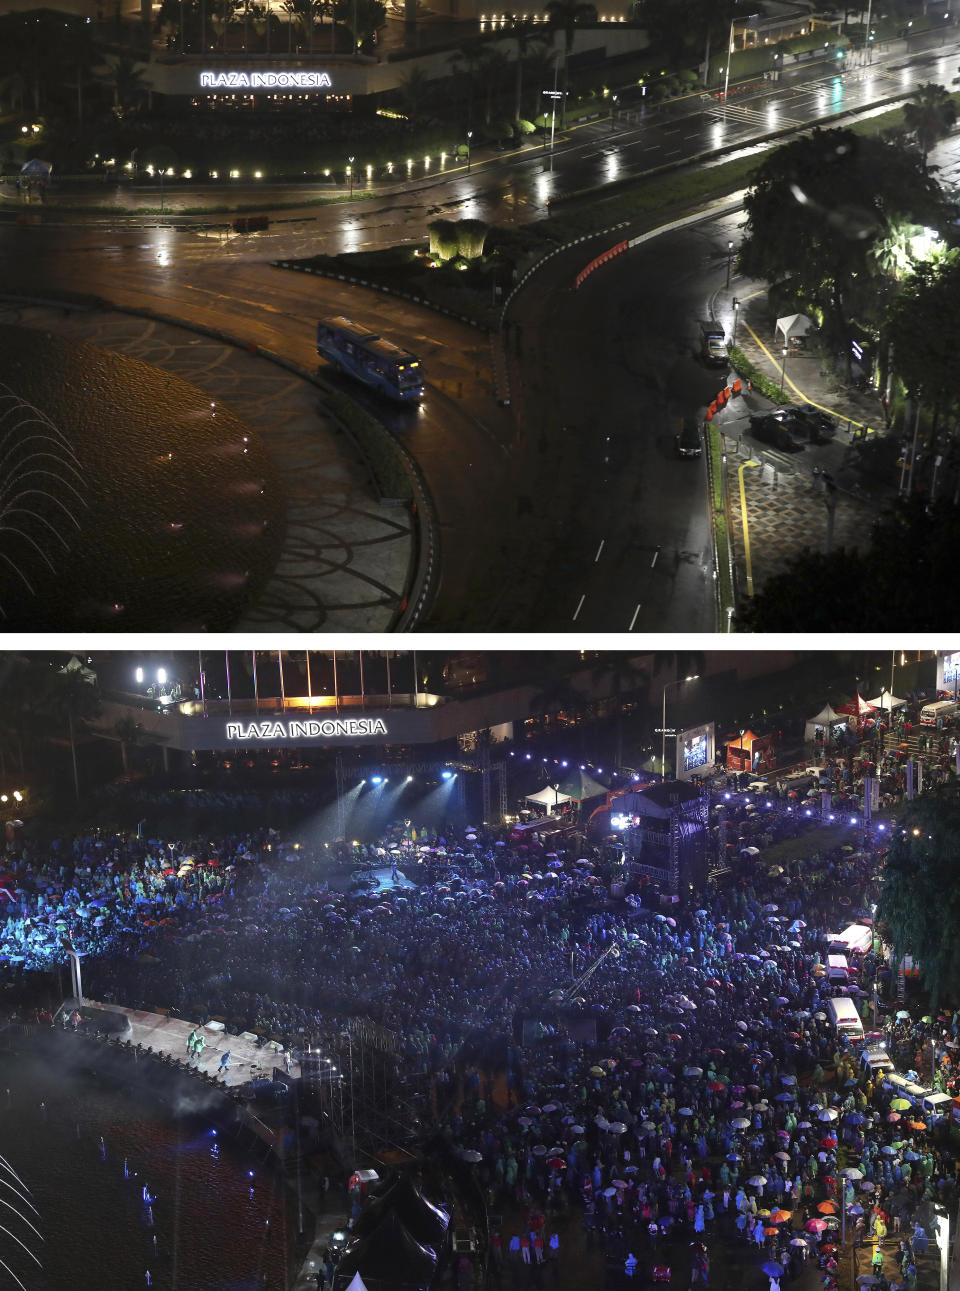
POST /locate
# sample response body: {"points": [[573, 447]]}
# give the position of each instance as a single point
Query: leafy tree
{"points": [[929, 116], [818, 207], [920, 897], [924, 328], [306, 14], [567, 15]]}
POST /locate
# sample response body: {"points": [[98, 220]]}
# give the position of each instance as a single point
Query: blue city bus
{"points": [[371, 359]]}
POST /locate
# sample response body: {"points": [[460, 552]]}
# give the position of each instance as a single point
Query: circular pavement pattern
{"points": [[339, 559]]}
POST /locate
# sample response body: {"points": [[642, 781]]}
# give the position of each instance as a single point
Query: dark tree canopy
{"points": [[924, 327], [920, 898], [817, 209]]}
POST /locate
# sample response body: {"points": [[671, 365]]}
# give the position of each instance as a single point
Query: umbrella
{"points": [[902, 1014], [827, 1207], [797, 1241], [851, 1172], [828, 1114], [471, 1155], [693, 1071], [619, 1183], [780, 1216], [771, 1268], [893, 1116], [815, 1225], [782, 1156], [740, 1123], [540, 1150], [617, 1127], [609, 1192], [757, 1180], [685, 1111], [900, 1104]]}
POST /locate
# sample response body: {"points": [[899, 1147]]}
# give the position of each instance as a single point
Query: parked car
{"points": [[779, 429], [820, 427], [688, 441]]}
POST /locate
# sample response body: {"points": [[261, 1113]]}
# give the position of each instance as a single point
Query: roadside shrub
{"points": [[471, 235], [444, 240]]}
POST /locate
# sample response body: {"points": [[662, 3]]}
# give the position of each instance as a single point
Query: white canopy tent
{"points": [[826, 720], [888, 702], [793, 325], [357, 1283], [548, 797]]}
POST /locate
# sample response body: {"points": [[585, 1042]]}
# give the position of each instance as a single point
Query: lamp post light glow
{"points": [[469, 149], [736, 319], [350, 175]]}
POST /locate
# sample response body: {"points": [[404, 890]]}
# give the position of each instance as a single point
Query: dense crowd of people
{"points": [[670, 1068]]}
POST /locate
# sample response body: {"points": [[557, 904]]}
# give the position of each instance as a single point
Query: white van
{"points": [[875, 1060], [942, 708], [838, 970], [843, 1014], [936, 1106]]}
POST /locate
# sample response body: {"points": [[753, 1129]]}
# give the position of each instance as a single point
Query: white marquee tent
{"points": [[826, 720]]}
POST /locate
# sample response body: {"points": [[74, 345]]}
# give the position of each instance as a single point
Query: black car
{"points": [[820, 427], [688, 441], [779, 430]]}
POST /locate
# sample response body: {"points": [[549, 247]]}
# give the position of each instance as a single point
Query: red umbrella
{"points": [[716, 1086], [828, 1142], [815, 1225]]}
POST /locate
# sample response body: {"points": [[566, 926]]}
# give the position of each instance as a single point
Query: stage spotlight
{"points": [[446, 775], [408, 779], [376, 779]]}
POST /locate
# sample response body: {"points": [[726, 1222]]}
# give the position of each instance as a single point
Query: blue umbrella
{"points": [[854, 1118], [888, 1151], [786, 1098], [772, 1269]]}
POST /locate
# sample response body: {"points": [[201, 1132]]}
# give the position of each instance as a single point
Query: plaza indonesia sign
{"points": [[265, 81], [307, 729]]}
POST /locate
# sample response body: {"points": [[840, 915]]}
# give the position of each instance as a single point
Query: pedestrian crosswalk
{"points": [[766, 119]]}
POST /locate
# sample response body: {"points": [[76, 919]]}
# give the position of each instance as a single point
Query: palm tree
{"points": [[466, 59], [565, 15], [527, 36], [622, 676], [412, 88], [305, 14], [124, 76], [492, 63], [130, 733], [929, 116], [73, 697]]}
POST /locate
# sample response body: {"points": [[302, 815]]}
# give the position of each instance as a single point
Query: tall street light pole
{"points": [[783, 370], [469, 149], [663, 721]]}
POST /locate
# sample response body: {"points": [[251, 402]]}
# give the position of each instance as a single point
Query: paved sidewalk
{"points": [[788, 506]]}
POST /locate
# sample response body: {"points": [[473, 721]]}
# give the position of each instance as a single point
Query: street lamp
{"points": [[350, 176], [736, 319], [663, 722], [783, 369], [469, 149], [729, 260]]}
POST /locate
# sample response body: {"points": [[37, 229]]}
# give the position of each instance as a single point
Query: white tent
{"points": [[826, 719], [888, 702], [548, 797], [357, 1283], [793, 325]]}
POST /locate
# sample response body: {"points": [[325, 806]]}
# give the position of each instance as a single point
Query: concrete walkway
{"points": [[784, 500], [345, 562]]}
